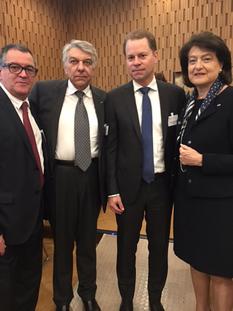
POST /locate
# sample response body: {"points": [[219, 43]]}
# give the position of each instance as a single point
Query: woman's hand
{"points": [[189, 156], [2, 245]]}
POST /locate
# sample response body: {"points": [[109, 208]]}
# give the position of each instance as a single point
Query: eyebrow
{"points": [[206, 54]]}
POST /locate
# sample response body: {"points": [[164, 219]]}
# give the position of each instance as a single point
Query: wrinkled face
{"points": [[18, 84], [79, 68], [140, 61], [203, 67]]}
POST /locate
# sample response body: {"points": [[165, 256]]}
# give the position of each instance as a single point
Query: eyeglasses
{"points": [[16, 68]]}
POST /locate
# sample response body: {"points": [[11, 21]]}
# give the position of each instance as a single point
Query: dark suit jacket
{"points": [[212, 136], [124, 141], [48, 97], [20, 189]]}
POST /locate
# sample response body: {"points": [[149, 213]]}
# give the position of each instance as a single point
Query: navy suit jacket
{"points": [[124, 141], [20, 189], [212, 136]]}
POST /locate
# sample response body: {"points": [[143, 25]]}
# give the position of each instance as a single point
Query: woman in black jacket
{"points": [[203, 227]]}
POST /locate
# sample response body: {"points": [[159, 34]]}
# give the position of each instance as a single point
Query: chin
{"points": [[139, 79], [199, 82]]}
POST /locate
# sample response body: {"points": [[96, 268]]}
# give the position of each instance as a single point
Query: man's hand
{"points": [[189, 156], [115, 204], [2, 245]]}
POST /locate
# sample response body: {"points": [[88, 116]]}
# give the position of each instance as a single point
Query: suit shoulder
{"points": [[50, 83], [121, 89], [170, 86], [98, 90]]}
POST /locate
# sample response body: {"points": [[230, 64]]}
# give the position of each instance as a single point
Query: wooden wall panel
{"points": [[105, 23], [46, 25], [39, 24]]}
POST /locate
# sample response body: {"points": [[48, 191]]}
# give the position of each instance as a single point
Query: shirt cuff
{"points": [[113, 195]]}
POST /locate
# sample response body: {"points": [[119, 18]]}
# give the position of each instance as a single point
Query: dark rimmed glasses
{"points": [[17, 69]]}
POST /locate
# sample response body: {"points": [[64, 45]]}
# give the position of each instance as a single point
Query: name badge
{"points": [[106, 128], [172, 119]]}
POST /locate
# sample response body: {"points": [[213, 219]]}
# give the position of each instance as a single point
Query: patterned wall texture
{"points": [[46, 25], [39, 24], [106, 22]]}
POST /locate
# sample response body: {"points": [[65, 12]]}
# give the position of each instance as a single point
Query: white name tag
{"points": [[106, 128], [172, 119]]}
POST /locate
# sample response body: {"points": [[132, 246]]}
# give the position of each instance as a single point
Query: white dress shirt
{"points": [[158, 147], [17, 103], [65, 149]]}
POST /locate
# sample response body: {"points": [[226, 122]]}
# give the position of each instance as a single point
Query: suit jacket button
{"points": [[189, 181], [189, 142]]}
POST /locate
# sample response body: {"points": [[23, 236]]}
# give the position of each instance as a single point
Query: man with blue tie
{"points": [[141, 120]]}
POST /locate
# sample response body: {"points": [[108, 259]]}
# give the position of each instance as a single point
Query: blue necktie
{"points": [[147, 137]]}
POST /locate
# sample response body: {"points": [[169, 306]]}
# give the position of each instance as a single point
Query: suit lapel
{"points": [[14, 118], [130, 103], [58, 99], [213, 107], [99, 108], [164, 106]]}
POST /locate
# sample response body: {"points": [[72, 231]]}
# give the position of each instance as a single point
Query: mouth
{"points": [[199, 74], [80, 77], [25, 83], [137, 70]]}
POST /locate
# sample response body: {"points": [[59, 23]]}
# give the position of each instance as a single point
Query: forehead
{"points": [[196, 51], [19, 57], [136, 46], [78, 53]]}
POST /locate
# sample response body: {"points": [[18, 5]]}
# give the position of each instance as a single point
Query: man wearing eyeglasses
{"points": [[72, 116], [21, 183]]}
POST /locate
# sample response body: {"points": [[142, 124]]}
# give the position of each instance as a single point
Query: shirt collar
{"points": [[17, 103], [152, 85], [71, 89]]}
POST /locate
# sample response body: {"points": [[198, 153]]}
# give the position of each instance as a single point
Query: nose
{"points": [[80, 66], [23, 73], [198, 63], [136, 60]]}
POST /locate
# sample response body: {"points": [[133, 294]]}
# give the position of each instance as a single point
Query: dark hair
{"points": [[8, 47], [141, 34], [209, 41]]}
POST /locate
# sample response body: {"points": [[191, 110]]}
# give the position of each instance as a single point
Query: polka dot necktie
{"points": [[82, 135]]}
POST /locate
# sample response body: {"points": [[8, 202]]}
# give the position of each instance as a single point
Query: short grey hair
{"points": [[85, 46]]}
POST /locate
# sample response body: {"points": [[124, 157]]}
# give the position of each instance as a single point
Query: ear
{"points": [[65, 70], [221, 65], [156, 56]]}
